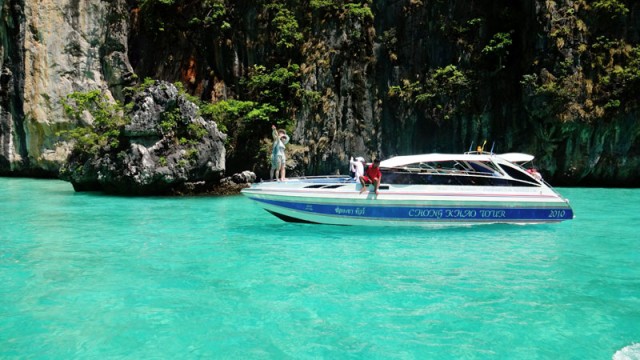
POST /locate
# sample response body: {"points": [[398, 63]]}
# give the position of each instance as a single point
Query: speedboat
{"points": [[468, 188]]}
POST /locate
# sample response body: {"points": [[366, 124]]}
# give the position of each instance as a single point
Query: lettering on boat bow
{"points": [[359, 211]]}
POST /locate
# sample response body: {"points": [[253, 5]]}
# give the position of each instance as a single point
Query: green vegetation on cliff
{"points": [[379, 77], [444, 92], [108, 121], [102, 121]]}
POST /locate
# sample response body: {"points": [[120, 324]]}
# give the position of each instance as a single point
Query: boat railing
{"points": [[339, 178], [479, 153], [553, 189]]}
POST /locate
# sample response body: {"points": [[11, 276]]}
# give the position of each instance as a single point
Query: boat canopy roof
{"points": [[401, 161], [517, 157]]}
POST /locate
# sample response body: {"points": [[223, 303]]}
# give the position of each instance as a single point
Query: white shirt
{"points": [[357, 168]]}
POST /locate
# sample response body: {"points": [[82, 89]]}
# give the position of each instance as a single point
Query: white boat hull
{"points": [[409, 205]]}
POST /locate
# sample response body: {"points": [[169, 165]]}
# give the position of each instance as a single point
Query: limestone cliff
{"points": [[557, 79], [50, 49]]}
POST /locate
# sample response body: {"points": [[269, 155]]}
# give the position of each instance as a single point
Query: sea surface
{"points": [[90, 276]]}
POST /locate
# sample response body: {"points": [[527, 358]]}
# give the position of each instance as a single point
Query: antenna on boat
{"points": [[492, 145], [471, 146]]}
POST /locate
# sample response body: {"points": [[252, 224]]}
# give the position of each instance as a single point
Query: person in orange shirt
{"points": [[372, 175]]}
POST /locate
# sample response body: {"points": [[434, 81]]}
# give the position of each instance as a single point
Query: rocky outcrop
{"points": [[165, 148], [235, 183]]}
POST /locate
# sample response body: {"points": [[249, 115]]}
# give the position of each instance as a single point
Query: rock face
{"points": [[54, 48], [157, 154], [383, 77]]}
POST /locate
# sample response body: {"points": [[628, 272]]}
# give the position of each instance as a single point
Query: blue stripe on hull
{"points": [[417, 213]]}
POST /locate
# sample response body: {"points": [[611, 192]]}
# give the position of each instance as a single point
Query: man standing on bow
{"points": [[278, 157]]}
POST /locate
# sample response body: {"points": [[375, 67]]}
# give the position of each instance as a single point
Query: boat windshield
{"points": [[484, 173]]}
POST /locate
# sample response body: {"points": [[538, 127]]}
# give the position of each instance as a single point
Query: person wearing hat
{"points": [[278, 157], [356, 167]]}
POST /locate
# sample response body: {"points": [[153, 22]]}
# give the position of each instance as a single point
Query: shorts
{"points": [[367, 180], [277, 161]]}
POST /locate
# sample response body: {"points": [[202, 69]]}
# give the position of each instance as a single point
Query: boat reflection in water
{"points": [[417, 190]]}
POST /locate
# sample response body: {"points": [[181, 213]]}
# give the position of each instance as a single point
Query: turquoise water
{"points": [[93, 277]]}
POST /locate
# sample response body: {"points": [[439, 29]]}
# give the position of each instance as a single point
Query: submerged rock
{"points": [[165, 146]]}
